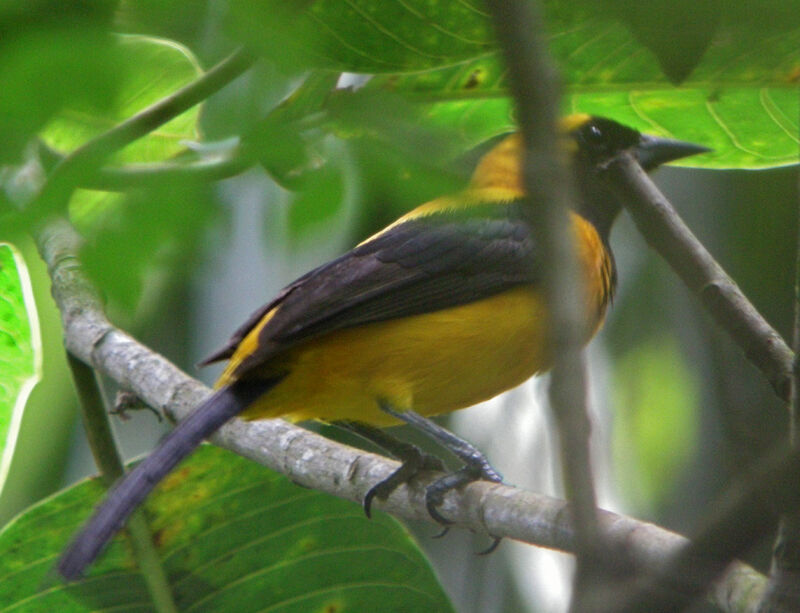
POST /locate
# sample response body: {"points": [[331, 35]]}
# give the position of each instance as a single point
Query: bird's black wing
{"points": [[421, 265]]}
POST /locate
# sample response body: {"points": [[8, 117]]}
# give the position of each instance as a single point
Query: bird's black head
{"points": [[595, 141], [591, 142], [599, 139]]}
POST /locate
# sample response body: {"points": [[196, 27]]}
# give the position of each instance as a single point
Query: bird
{"points": [[438, 311]]}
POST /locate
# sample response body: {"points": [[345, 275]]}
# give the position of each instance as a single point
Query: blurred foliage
{"points": [[295, 549], [148, 70], [145, 231], [174, 19], [149, 240], [656, 422], [152, 68], [322, 195], [52, 53], [718, 72]]}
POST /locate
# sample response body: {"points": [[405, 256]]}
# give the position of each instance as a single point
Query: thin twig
{"points": [[535, 87], [95, 421], [85, 160], [664, 230], [316, 462], [108, 460]]}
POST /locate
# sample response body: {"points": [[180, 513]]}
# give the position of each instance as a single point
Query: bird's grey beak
{"points": [[652, 151]]}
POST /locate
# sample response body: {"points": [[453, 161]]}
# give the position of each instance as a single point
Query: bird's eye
{"points": [[594, 134]]}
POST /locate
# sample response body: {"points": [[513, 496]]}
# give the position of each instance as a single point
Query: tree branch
{"points": [[316, 462], [749, 510], [665, 231], [534, 84]]}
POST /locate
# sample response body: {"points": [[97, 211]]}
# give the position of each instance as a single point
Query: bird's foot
{"points": [[414, 461]]}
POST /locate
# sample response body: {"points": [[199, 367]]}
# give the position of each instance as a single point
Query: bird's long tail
{"points": [[129, 492]]}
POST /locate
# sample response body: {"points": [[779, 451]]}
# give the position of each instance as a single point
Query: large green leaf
{"points": [[364, 35], [20, 350], [738, 97], [233, 536], [741, 100], [415, 35]]}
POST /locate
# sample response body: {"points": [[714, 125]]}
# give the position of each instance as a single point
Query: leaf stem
{"points": [[107, 458], [95, 421], [146, 175]]}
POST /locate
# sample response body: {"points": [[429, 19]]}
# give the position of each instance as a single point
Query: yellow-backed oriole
{"points": [[440, 310]]}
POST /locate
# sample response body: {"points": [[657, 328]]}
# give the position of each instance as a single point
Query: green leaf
{"points": [[151, 69], [677, 32], [363, 35], [740, 98], [656, 399], [321, 197], [175, 19], [20, 350], [233, 536]]}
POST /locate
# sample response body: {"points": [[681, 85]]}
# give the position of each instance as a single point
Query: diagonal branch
{"points": [[665, 231], [314, 461], [145, 175], [735, 523]]}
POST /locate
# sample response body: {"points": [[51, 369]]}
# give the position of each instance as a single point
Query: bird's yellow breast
{"points": [[432, 363]]}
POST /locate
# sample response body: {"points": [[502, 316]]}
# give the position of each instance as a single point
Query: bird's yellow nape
{"points": [[570, 123], [500, 168]]}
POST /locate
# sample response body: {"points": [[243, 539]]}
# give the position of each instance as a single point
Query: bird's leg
{"points": [[476, 466], [413, 460]]}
